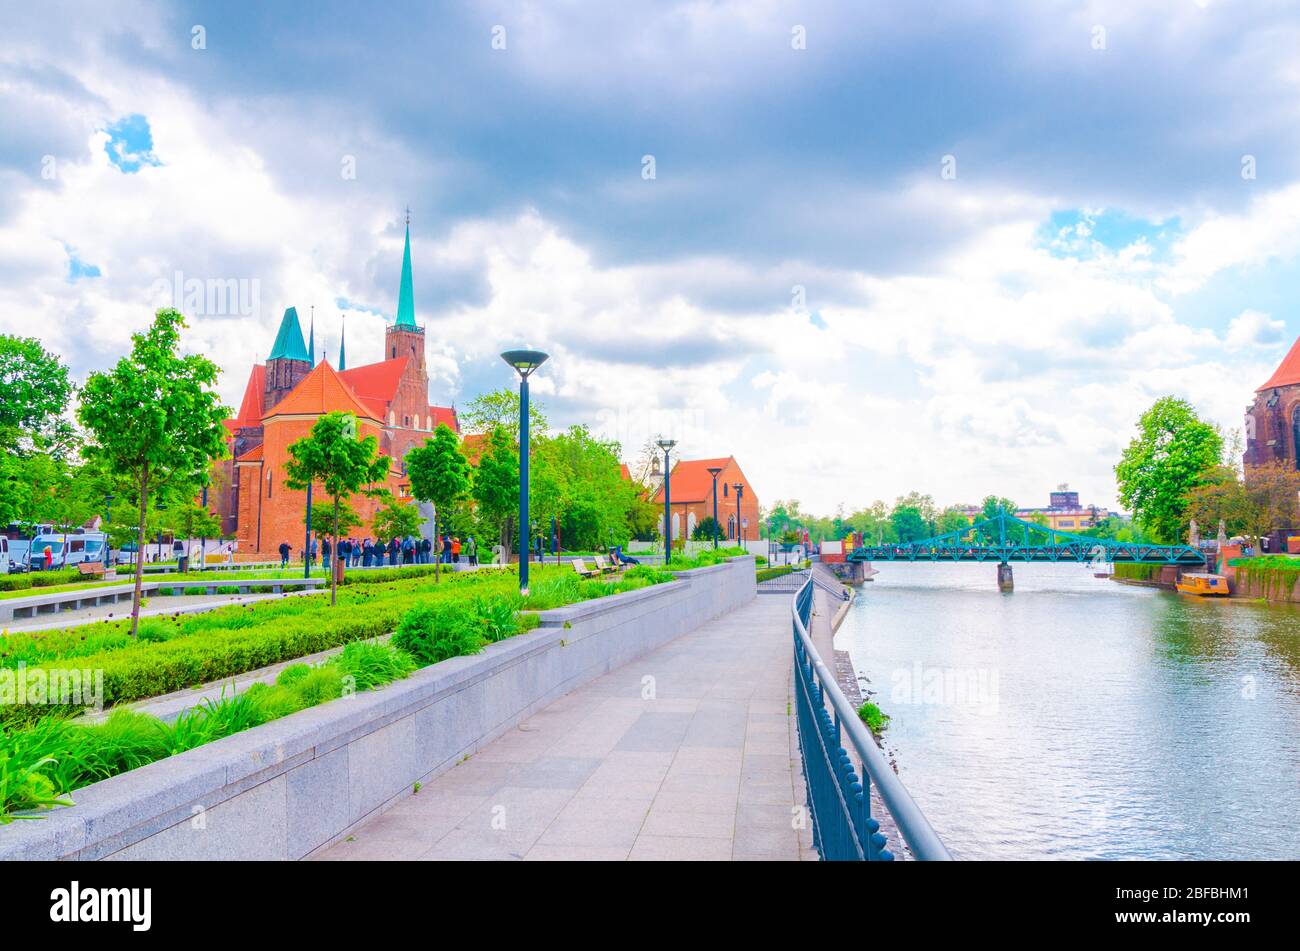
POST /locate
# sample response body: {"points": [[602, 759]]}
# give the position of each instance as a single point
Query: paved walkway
{"points": [[708, 769]]}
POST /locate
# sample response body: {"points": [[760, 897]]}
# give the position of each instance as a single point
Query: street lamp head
{"points": [[740, 489], [666, 444], [524, 361], [714, 470]]}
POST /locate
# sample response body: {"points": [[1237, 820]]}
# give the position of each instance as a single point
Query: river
{"points": [[1081, 718]]}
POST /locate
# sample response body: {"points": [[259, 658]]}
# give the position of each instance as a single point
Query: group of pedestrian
{"points": [[375, 552]]}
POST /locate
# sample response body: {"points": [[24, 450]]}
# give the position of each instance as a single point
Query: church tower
{"points": [[289, 361], [410, 407]]}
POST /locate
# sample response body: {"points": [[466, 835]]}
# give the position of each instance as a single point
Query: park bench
{"points": [[90, 568], [603, 566], [581, 568]]}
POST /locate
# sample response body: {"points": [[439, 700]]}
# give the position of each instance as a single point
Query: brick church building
{"points": [[282, 401], [1273, 419]]}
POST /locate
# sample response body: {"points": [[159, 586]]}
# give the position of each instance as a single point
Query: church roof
{"points": [[691, 481], [321, 391], [250, 408], [376, 381], [406, 293], [1288, 371], [289, 344]]}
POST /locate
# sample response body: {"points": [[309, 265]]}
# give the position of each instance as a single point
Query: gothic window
{"points": [[1295, 436], [724, 491], [731, 526], [394, 351]]}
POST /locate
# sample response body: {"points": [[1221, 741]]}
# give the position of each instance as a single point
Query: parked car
{"points": [[66, 550]]}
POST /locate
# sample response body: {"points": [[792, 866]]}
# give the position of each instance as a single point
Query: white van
{"points": [[66, 550], [4, 554]]}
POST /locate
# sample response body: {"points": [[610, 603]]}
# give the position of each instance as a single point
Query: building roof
{"points": [[288, 341], [323, 390], [253, 455], [406, 293], [691, 481], [1288, 371], [376, 381], [624, 472], [445, 414], [472, 445], [250, 408]]}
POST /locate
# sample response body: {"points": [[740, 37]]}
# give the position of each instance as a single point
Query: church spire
{"points": [[406, 293], [288, 342], [343, 360], [311, 343]]}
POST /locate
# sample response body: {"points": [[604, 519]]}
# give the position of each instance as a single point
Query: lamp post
{"points": [[108, 517], [666, 445], [524, 362], [713, 471], [306, 545], [203, 540], [740, 491]]}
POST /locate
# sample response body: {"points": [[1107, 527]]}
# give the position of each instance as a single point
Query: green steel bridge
{"points": [[1005, 538]]}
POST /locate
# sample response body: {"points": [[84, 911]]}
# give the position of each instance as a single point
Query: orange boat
{"points": [[1206, 585]]}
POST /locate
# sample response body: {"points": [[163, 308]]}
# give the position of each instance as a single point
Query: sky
{"points": [[865, 248]]}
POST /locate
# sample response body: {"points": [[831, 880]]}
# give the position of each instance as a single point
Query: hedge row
{"points": [[39, 579], [778, 571]]}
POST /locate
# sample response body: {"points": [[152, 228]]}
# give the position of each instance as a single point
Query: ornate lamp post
{"points": [[713, 471], [740, 491], [666, 445], [525, 363], [203, 541]]}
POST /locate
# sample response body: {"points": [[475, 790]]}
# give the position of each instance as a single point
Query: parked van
{"points": [[4, 554], [66, 550]]}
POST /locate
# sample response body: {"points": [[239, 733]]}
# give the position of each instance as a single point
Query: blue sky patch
{"points": [[130, 144], [77, 269], [1084, 234]]}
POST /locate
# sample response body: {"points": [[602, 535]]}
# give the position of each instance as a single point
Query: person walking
{"points": [[394, 547], [471, 551], [284, 554], [455, 550], [325, 550], [426, 547]]}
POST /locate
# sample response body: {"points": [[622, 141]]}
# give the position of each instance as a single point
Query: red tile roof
{"points": [[250, 409], [1288, 370], [691, 480], [323, 390], [376, 381], [445, 414], [253, 455]]}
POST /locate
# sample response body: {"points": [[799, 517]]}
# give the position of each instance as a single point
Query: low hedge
{"points": [[765, 574], [39, 579]]}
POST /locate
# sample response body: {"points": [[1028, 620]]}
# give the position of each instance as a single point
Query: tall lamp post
{"points": [[713, 471], [108, 517], [524, 362], [666, 445], [740, 491], [203, 540], [306, 545]]}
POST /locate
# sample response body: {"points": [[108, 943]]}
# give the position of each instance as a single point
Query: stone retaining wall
{"points": [[285, 789]]}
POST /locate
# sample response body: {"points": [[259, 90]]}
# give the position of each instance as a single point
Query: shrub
{"points": [[371, 664], [763, 574], [871, 715], [227, 589], [435, 632]]}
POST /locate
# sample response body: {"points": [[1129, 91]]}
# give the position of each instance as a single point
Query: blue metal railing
{"points": [[839, 804]]}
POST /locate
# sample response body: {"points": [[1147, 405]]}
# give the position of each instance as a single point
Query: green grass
{"points": [[871, 715], [41, 765], [764, 574], [1137, 572]]}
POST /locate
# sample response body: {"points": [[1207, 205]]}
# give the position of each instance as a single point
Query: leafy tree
{"points": [[156, 417], [496, 484], [189, 520], [874, 523], [396, 519], [1220, 497], [909, 524], [335, 456], [577, 479], [952, 519], [991, 508], [704, 529], [1171, 455], [1273, 495], [325, 520], [36, 392], [440, 474], [500, 410]]}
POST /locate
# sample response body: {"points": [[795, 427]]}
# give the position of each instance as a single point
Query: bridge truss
{"points": [[1005, 538]]}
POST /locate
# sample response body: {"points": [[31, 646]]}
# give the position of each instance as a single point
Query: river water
{"points": [[1081, 718]]}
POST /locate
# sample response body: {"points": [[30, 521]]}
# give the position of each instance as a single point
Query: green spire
{"points": [[343, 360], [406, 295], [288, 342], [311, 342]]}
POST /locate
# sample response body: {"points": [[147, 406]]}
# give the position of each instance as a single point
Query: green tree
{"points": [[36, 392], [190, 520], [1172, 454], [909, 524], [325, 520], [440, 474], [395, 518], [577, 479], [496, 484], [499, 409], [337, 458], [156, 417], [952, 519], [704, 530]]}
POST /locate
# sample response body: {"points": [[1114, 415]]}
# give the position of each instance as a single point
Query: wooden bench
{"points": [[87, 568], [581, 568], [603, 566]]}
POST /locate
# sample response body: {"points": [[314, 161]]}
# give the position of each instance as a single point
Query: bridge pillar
{"points": [[1006, 581]]}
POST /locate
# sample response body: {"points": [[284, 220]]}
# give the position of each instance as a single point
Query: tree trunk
{"points": [[139, 551], [334, 556], [437, 554]]}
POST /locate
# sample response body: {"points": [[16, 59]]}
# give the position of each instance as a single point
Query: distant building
{"points": [[692, 498], [1063, 512], [1273, 418], [282, 401]]}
